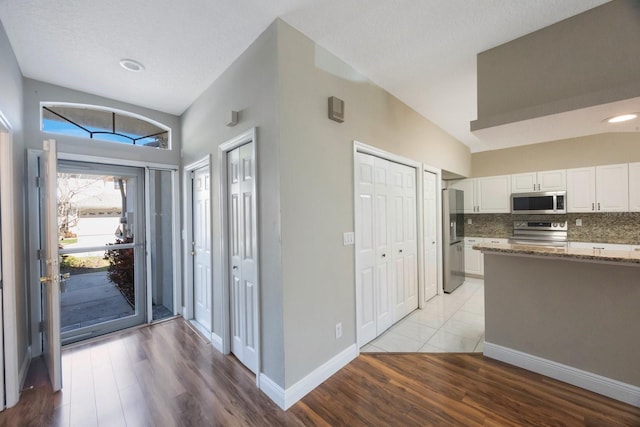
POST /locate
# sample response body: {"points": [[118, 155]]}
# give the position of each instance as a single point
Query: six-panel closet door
{"points": [[243, 248], [387, 277]]}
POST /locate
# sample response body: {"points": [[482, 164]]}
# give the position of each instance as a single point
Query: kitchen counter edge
{"points": [[628, 257]]}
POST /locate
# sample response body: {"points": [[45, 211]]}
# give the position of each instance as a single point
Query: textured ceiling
{"points": [[422, 51]]}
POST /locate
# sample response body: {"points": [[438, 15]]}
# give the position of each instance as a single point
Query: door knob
{"points": [[400, 251], [384, 255], [235, 267]]}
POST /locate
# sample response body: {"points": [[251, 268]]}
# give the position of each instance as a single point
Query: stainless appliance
{"points": [[540, 233], [546, 202], [453, 238]]}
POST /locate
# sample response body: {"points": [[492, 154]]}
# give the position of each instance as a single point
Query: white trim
{"points": [[614, 389], [216, 342], [147, 247], [113, 161], [242, 139], [177, 241], [187, 189], [32, 217], [9, 324], [360, 147], [287, 398]]}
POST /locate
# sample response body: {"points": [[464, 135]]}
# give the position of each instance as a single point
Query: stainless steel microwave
{"points": [[549, 202]]}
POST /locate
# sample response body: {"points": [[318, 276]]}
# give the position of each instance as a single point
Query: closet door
{"points": [[384, 266], [386, 244], [243, 238], [404, 239]]}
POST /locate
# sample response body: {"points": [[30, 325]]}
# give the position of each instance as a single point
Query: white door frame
{"points": [[188, 309], [223, 149], [359, 147], [422, 248], [33, 238], [175, 239], [7, 192]]}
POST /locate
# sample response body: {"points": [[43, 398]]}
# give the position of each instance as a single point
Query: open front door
{"points": [[51, 268]]}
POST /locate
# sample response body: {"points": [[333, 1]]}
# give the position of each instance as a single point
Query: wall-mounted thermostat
{"points": [[336, 109]]}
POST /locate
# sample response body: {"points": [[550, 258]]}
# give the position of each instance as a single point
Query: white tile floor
{"points": [[448, 323]]}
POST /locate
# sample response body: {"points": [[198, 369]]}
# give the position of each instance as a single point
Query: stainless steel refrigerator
{"points": [[453, 238]]}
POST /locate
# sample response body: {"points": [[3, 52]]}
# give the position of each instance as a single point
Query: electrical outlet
{"points": [[338, 330], [348, 238], [469, 221], [578, 223]]}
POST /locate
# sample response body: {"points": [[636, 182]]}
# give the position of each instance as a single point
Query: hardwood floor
{"points": [[167, 375]]}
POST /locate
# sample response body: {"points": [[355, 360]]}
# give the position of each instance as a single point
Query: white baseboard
{"points": [[24, 367], [216, 341], [286, 398], [614, 389]]}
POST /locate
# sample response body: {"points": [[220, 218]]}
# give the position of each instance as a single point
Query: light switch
{"points": [[578, 223], [348, 238]]}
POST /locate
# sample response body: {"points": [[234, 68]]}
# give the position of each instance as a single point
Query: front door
{"points": [[243, 249], [100, 235], [201, 247], [51, 269]]}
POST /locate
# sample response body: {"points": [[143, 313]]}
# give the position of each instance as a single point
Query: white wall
{"points": [[316, 187], [11, 105], [249, 86]]}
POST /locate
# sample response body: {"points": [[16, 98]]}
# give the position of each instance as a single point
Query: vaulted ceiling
{"points": [[421, 51]]}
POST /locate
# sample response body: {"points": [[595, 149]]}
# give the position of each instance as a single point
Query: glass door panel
{"points": [[101, 231]]}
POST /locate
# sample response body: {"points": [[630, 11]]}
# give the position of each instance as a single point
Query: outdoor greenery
{"points": [[81, 265], [121, 269]]}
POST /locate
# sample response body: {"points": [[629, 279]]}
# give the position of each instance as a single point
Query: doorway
{"points": [[101, 231]]}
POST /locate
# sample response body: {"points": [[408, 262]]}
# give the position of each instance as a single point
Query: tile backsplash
{"points": [[614, 227]]}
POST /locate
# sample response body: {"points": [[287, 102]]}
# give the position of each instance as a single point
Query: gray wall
{"points": [[316, 167], [582, 61], [581, 314], [11, 106], [36, 92], [249, 85]]}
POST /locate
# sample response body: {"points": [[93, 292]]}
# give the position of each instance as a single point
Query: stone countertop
{"points": [[629, 257]]}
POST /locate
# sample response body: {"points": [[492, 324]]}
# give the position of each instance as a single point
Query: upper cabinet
{"points": [[485, 195], [539, 181], [493, 194], [469, 188], [598, 189], [634, 187]]}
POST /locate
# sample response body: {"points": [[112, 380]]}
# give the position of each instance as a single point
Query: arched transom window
{"points": [[105, 124]]}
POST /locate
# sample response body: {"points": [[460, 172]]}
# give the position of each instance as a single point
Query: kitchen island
{"points": [[571, 314]]}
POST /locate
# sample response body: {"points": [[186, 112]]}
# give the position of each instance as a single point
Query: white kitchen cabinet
{"points": [[496, 240], [469, 188], [603, 246], [598, 189], [612, 188], [555, 180], [634, 187], [493, 194], [473, 259]]}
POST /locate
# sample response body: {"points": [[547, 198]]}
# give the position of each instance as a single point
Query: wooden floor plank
{"points": [[166, 375]]}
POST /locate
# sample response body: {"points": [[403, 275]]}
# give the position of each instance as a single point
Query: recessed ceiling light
{"points": [[622, 118], [131, 65]]}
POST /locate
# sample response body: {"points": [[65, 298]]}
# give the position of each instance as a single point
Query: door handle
{"points": [[235, 267], [598, 205], [400, 251], [384, 255], [593, 208]]}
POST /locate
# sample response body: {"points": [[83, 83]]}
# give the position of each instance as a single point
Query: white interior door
{"points": [[201, 247], [243, 249], [51, 280], [365, 250], [430, 190], [382, 223], [386, 244], [404, 237]]}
